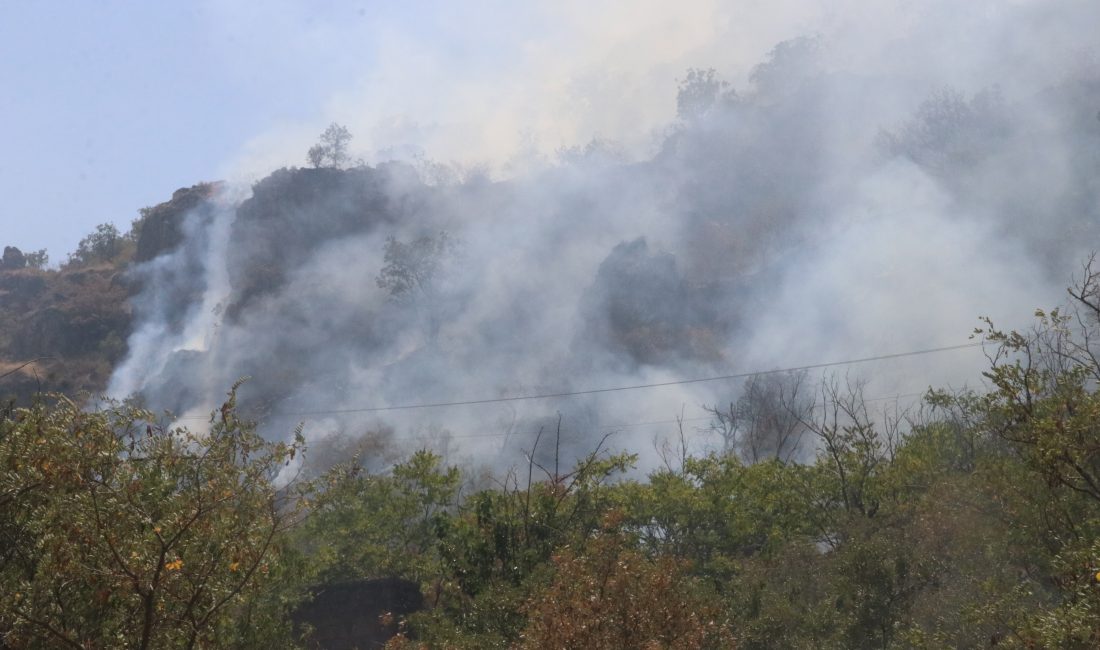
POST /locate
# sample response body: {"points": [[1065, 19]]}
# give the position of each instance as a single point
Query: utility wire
{"points": [[24, 365], [614, 389], [612, 428]]}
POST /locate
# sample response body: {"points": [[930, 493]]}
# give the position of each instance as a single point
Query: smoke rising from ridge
{"points": [[870, 185]]}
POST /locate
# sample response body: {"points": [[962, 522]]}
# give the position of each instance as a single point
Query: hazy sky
{"points": [[110, 106]]}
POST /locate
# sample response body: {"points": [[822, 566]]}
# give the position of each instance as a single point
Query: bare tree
{"points": [[1084, 317], [768, 420], [850, 443], [674, 454]]}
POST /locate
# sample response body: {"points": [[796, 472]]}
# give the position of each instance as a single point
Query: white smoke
{"points": [[820, 213]]}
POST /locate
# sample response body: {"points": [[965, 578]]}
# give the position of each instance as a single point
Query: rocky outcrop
{"points": [[13, 258], [162, 225], [642, 309], [293, 212], [358, 615]]}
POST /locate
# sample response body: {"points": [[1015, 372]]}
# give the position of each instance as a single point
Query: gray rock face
{"points": [[161, 230]]}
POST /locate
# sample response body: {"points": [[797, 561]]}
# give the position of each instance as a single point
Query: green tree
{"points": [[1045, 409], [37, 259], [496, 550], [366, 525], [118, 533], [103, 245]]}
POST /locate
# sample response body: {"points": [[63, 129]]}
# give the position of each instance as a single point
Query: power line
{"points": [[613, 389], [24, 365], [625, 425]]}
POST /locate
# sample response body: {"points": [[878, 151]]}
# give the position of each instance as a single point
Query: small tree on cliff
{"points": [[332, 150], [38, 259], [103, 245]]}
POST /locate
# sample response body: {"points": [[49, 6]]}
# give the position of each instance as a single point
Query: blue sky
{"points": [[110, 106]]}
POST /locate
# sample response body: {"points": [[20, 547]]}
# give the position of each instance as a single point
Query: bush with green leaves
{"points": [[118, 533], [103, 245], [366, 525]]}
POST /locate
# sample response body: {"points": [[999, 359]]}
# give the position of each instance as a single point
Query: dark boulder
{"points": [[358, 615], [640, 308], [161, 228], [13, 259]]}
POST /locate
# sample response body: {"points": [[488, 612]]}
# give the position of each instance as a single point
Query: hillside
{"points": [[75, 320], [801, 372]]}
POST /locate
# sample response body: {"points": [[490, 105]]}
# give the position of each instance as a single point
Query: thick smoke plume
{"points": [[854, 193]]}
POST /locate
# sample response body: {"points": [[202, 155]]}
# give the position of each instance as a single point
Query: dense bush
{"points": [[118, 533], [976, 526]]}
